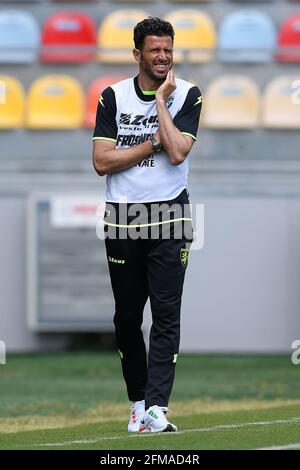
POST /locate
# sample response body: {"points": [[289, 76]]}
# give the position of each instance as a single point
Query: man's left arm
{"points": [[177, 136]]}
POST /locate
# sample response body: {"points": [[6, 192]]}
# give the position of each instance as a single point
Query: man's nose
{"points": [[162, 55]]}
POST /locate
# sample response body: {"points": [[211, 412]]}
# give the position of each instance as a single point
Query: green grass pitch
{"points": [[78, 401]]}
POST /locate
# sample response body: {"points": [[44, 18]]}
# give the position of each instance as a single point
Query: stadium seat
{"points": [[19, 37], [289, 40], [74, 1], [231, 102], [252, 1], [21, 1], [12, 103], [131, 1], [191, 1], [115, 36], [279, 110], [195, 36], [55, 102], [68, 37], [93, 94], [247, 36]]}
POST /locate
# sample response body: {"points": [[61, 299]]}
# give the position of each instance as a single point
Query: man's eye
{"points": [[167, 51]]}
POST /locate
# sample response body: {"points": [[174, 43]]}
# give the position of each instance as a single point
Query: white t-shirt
{"points": [[128, 116]]}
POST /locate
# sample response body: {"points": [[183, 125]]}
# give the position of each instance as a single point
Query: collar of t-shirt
{"points": [[143, 95]]}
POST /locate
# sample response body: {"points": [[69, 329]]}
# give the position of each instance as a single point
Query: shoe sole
{"points": [[169, 428]]}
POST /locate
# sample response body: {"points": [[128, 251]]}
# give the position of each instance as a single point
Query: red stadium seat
{"points": [[94, 92], [289, 40], [68, 37]]}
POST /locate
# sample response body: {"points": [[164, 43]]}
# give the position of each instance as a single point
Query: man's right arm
{"points": [[106, 158]]}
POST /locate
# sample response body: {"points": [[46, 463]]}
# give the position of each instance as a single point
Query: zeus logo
{"points": [[125, 119], [137, 120]]}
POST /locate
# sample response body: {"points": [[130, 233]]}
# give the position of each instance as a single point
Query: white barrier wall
{"points": [[13, 322], [241, 291]]}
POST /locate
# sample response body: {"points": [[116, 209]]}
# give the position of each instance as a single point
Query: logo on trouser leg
{"points": [[184, 256], [115, 260]]}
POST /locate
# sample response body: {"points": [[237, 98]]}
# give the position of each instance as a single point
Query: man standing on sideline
{"points": [[145, 129]]}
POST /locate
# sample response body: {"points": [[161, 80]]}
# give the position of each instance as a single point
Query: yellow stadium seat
{"points": [[131, 1], [281, 103], [115, 36], [55, 102], [191, 1], [231, 102], [195, 36], [12, 103]]}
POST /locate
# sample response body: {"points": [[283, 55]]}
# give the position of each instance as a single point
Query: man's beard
{"points": [[152, 76]]}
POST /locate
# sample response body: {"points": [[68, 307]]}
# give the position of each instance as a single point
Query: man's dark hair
{"points": [[151, 27]]}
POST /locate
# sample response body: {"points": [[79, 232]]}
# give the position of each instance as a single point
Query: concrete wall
{"points": [[242, 288], [13, 322], [241, 291]]}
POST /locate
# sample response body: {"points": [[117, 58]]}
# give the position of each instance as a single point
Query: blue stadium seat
{"points": [[19, 37], [247, 36], [21, 1]]}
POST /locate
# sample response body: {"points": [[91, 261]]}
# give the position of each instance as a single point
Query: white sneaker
{"points": [[155, 420], [136, 414]]}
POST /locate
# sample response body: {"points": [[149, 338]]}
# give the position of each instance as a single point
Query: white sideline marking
{"points": [[285, 447], [212, 428]]}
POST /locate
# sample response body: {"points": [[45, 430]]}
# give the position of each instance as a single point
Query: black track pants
{"points": [[154, 268]]}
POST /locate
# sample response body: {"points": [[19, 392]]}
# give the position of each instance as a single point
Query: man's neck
{"points": [[147, 85]]}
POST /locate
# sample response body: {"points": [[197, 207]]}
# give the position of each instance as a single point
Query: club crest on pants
{"points": [[184, 256]]}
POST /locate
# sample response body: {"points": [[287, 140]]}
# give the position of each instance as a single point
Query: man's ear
{"points": [[137, 54]]}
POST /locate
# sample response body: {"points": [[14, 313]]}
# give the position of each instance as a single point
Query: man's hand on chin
{"points": [[166, 89]]}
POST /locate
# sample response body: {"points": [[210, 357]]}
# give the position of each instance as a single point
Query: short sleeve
{"points": [[106, 126], [187, 118]]}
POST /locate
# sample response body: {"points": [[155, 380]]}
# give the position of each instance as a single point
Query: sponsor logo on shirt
{"points": [[138, 120]]}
